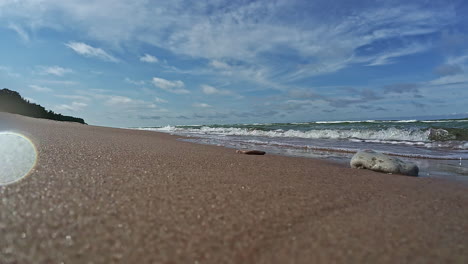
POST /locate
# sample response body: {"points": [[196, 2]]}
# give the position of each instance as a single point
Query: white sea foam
{"points": [[406, 121], [393, 142], [388, 121], [339, 122], [443, 121], [463, 146], [389, 134], [166, 128], [400, 140]]}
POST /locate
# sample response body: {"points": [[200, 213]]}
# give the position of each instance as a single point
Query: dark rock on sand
{"points": [[251, 152], [371, 160]]}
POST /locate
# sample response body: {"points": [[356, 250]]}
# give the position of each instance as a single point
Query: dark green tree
{"points": [[12, 102]]}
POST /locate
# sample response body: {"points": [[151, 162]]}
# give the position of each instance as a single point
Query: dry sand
{"points": [[105, 195]]}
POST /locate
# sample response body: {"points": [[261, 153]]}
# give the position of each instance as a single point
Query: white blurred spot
{"points": [[18, 156]]}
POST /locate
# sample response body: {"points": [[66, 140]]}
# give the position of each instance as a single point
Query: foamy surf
{"points": [[437, 140], [384, 135]]}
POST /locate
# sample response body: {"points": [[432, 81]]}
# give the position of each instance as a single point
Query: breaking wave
{"points": [[388, 134]]}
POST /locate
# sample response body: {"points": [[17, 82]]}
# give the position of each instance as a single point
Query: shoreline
{"points": [[442, 158], [445, 169], [120, 195]]}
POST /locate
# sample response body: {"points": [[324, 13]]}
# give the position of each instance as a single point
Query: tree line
{"points": [[12, 102]]}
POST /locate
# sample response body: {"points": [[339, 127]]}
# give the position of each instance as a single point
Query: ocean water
{"points": [[439, 147]]}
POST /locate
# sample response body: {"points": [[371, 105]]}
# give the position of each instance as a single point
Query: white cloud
{"points": [[219, 64], [386, 57], [248, 33], [73, 97], [119, 103], [201, 105], [31, 100], [54, 70], [159, 100], [459, 76], [20, 31], [118, 100], [128, 80], [452, 79], [58, 82], [73, 107], [210, 90], [458, 60], [176, 87], [38, 88], [149, 58], [9, 72], [88, 51]]}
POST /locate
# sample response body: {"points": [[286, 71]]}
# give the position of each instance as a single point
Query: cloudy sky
{"points": [[147, 63]]}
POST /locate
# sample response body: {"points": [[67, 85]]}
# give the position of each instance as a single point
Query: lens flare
{"points": [[18, 156]]}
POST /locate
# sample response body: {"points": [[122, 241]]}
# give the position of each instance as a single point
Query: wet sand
{"points": [[105, 195]]}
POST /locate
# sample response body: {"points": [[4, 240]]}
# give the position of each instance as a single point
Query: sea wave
{"points": [[388, 134], [289, 148], [343, 122]]}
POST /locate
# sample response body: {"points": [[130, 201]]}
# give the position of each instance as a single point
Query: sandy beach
{"points": [[107, 195]]}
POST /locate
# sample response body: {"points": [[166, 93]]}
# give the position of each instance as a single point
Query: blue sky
{"points": [[149, 63]]}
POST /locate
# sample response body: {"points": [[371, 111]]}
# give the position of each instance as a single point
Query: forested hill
{"points": [[12, 102]]}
